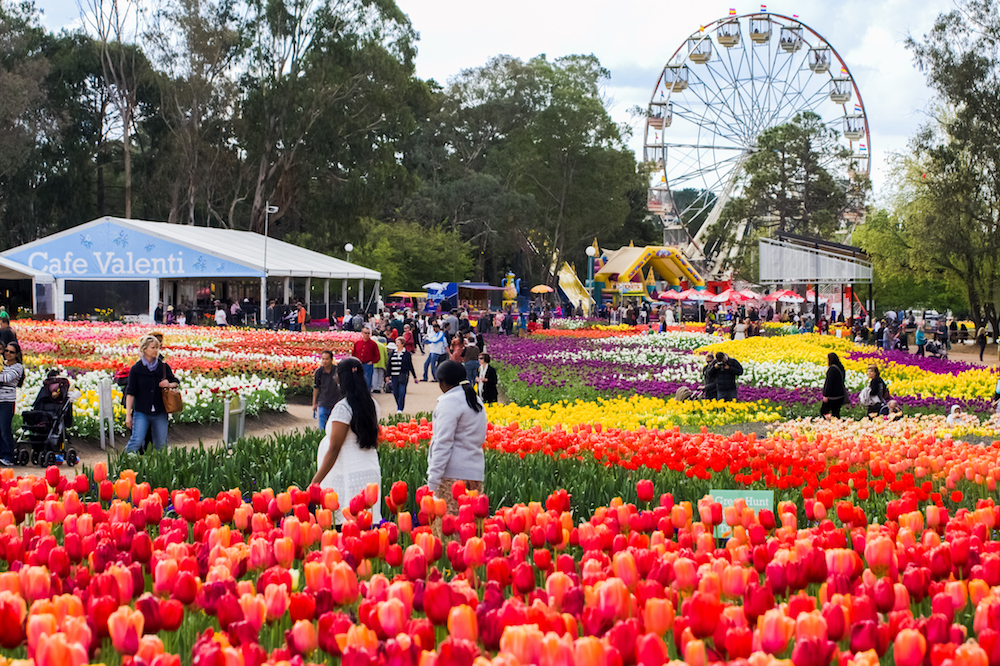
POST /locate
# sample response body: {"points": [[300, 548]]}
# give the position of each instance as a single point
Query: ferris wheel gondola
{"points": [[724, 86]]}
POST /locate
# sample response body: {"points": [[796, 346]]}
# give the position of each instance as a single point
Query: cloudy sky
{"points": [[634, 38]]}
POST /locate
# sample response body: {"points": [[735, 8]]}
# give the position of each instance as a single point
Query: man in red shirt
{"points": [[366, 351]]}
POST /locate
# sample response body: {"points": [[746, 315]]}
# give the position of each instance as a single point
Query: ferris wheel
{"points": [[724, 86]]}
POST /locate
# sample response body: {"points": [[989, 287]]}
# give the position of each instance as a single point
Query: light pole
{"points": [[348, 248], [591, 253], [268, 209]]}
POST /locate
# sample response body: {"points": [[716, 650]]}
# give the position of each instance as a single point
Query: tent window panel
{"points": [[125, 297]]}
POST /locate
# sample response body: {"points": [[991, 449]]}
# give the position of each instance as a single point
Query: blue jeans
{"points": [[399, 391], [141, 423], [323, 414], [471, 370], [6, 430], [368, 368], [432, 360]]}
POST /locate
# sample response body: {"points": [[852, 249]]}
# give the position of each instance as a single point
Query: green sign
{"points": [[755, 499]]}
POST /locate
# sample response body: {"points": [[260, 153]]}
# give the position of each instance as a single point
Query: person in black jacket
{"points": [[834, 388], [878, 392], [711, 391], [143, 396], [724, 372], [487, 379]]}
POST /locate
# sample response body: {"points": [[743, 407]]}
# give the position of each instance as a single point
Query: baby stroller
{"points": [[935, 349], [44, 433]]}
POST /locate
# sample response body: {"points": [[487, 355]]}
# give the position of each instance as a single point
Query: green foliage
{"points": [[409, 255], [898, 283]]}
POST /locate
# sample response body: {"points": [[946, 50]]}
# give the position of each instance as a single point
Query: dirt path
{"points": [[420, 397]]}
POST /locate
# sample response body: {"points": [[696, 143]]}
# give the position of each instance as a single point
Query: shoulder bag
{"points": [[172, 401]]}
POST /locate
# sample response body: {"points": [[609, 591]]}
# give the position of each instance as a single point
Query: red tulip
{"points": [[704, 614], [301, 606], [644, 489], [813, 652], [304, 637], [12, 613], [437, 602]]}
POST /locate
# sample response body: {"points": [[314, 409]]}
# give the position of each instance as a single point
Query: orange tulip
{"points": [[254, 610], [261, 553], [685, 574], [733, 581], [57, 650], [462, 623], [810, 626], [100, 472], [589, 651], [556, 650], [77, 630], [556, 586], [880, 553], [475, 552], [358, 636], [275, 601], [343, 584], [613, 598], [149, 648], [695, 654], [304, 637], [624, 567], [165, 576], [284, 502], [970, 654], [959, 594], [524, 641], [34, 582], [125, 627], [38, 625], [909, 648], [775, 629], [658, 616], [402, 590], [317, 576], [284, 551], [392, 616]]}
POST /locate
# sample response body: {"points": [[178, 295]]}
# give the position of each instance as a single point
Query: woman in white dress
{"points": [[741, 330], [347, 460]]}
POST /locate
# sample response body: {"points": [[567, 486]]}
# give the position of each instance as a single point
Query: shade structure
{"points": [[434, 286], [811, 297], [687, 295], [672, 295], [749, 295], [727, 296], [542, 289], [784, 296]]}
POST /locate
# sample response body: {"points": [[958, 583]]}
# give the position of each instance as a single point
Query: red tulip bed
{"points": [[110, 570]]}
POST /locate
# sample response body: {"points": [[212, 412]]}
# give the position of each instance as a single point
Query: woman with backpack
{"points": [[834, 388]]}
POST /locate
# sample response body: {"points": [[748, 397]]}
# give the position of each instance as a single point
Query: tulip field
{"points": [[597, 539], [259, 365]]}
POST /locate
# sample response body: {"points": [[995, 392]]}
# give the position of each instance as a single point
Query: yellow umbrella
{"points": [[542, 289]]}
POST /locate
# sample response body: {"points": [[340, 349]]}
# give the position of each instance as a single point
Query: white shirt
{"points": [[220, 317], [355, 467]]}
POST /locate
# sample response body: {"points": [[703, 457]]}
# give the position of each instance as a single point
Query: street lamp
{"points": [[349, 248], [591, 253]]}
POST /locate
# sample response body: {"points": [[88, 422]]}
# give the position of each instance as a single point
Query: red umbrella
{"points": [[727, 296], [672, 295]]}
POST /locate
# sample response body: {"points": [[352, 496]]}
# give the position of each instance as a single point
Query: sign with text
{"points": [[629, 287], [755, 499], [112, 250]]}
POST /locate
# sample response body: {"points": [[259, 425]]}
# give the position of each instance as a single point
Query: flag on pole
{"points": [[763, 8], [863, 147], [795, 16], [843, 70], [702, 29], [857, 108], [732, 11]]}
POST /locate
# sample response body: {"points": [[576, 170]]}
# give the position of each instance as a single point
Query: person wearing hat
{"points": [[7, 334], [158, 313], [169, 317]]}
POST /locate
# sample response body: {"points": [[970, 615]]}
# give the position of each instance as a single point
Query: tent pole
{"points": [[326, 298]]}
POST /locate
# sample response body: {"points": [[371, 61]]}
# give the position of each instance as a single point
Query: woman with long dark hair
{"points": [[347, 460], [878, 392], [834, 388], [456, 448], [11, 379]]}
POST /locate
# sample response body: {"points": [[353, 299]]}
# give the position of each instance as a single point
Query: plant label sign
{"points": [[755, 499]]}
